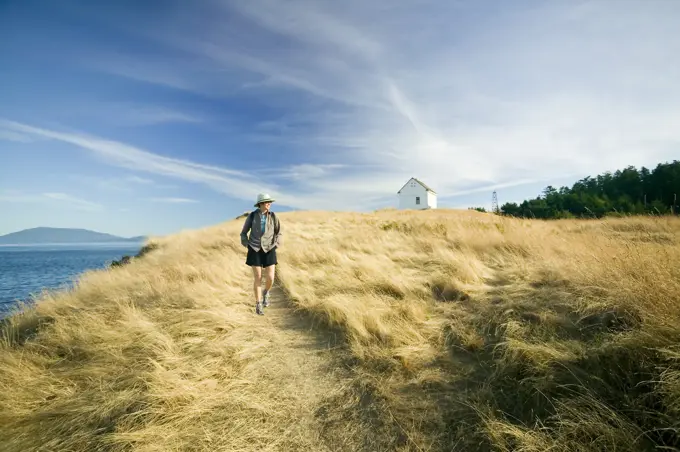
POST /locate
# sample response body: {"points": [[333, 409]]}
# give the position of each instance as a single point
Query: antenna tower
{"points": [[494, 202]]}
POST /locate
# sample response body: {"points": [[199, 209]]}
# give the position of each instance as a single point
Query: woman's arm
{"points": [[246, 227], [278, 234]]}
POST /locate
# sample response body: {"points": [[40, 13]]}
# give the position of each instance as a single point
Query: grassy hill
{"points": [[406, 331]]}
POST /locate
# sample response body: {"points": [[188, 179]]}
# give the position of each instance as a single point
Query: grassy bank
{"points": [[442, 331]]}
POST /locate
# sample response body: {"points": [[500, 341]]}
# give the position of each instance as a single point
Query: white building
{"points": [[416, 195]]}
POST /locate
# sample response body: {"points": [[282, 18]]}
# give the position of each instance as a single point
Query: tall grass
{"points": [[163, 354], [451, 331], [477, 332]]}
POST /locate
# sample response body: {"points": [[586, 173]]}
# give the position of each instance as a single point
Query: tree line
{"points": [[625, 192]]}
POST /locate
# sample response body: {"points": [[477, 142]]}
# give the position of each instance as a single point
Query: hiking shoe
{"points": [[266, 299], [258, 308]]}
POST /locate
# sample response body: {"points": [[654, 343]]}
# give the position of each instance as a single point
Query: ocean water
{"points": [[27, 269]]}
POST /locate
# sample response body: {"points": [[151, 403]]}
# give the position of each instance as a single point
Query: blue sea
{"points": [[27, 269]]}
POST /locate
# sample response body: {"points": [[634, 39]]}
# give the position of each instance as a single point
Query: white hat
{"points": [[263, 197]]}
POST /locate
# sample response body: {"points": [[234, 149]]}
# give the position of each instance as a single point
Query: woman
{"points": [[265, 237]]}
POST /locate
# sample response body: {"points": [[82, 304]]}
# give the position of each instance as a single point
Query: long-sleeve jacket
{"points": [[270, 239]]}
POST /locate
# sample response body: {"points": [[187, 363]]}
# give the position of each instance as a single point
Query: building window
{"points": [[417, 199]]}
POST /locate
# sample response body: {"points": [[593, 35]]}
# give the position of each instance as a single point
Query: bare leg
{"points": [[269, 277], [269, 281], [257, 283]]}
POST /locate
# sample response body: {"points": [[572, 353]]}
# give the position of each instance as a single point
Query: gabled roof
{"points": [[420, 182]]}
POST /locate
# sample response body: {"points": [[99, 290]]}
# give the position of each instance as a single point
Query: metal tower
{"points": [[494, 202]]}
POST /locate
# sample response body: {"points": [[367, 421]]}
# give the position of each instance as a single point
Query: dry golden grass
{"points": [[409, 331]]}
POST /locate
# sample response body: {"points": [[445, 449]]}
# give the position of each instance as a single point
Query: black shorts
{"points": [[260, 258]]}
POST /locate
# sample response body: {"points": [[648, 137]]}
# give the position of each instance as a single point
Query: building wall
{"points": [[407, 197], [431, 200]]}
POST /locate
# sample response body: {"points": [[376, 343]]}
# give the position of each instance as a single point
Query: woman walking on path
{"points": [[265, 237]]}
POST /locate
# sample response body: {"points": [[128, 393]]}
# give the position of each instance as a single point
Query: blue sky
{"points": [[152, 117]]}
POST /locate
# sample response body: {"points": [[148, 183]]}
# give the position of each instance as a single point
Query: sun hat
{"points": [[263, 197]]}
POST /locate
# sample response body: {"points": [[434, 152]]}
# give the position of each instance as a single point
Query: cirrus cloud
{"points": [[460, 94], [468, 96]]}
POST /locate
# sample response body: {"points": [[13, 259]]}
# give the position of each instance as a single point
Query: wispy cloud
{"points": [[175, 200], [151, 116], [466, 95], [64, 199], [527, 94], [9, 135], [140, 180], [74, 202], [127, 184], [316, 186], [317, 25], [137, 115], [303, 172], [236, 183], [126, 114], [18, 196], [156, 73]]}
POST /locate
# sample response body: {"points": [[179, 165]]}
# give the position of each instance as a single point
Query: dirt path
{"points": [[301, 363]]}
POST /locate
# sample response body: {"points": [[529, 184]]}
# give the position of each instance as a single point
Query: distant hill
{"points": [[61, 235]]}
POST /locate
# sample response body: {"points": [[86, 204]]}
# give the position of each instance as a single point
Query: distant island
{"points": [[44, 235]]}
